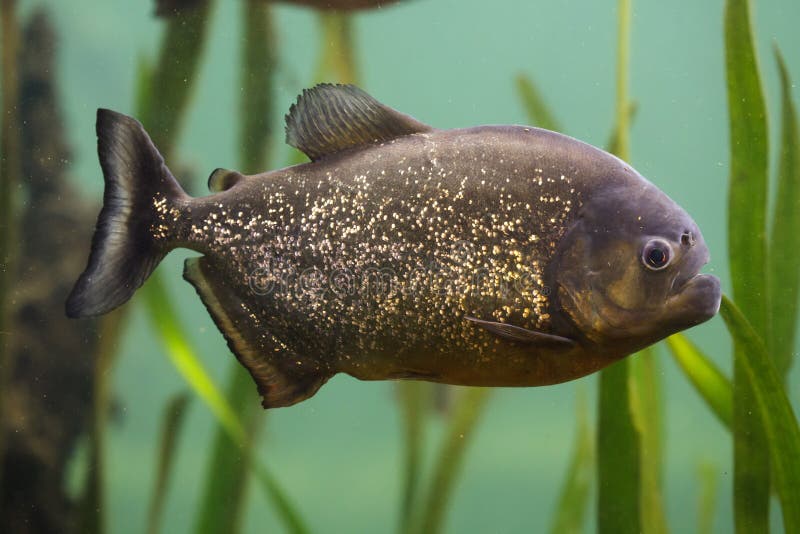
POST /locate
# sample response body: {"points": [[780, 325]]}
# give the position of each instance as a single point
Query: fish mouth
{"points": [[697, 299]]}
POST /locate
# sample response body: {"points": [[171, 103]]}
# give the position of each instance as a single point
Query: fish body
{"points": [[487, 256]]}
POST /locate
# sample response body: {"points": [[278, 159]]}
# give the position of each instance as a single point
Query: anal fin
{"points": [[282, 378]]}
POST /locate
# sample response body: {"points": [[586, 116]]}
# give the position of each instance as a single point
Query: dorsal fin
{"points": [[329, 118], [222, 179]]}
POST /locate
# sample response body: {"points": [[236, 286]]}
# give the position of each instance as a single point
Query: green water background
{"points": [[449, 63]]}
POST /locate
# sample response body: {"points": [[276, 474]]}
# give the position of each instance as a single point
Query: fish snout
{"points": [[698, 299]]}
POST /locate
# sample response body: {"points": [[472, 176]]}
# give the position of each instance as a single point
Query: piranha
{"points": [[486, 256]]}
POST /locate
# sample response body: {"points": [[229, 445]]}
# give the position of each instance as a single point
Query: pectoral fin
{"points": [[521, 335]]}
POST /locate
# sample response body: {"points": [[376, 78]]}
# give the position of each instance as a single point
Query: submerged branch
{"points": [[9, 174]]}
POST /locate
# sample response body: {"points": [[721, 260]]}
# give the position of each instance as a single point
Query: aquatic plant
{"points": [[171, 427], [715, 388], [707, 473], [570, 512], [747, 199], [768, 435]]}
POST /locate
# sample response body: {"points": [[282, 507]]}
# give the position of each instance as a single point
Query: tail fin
{"points": [[124, 252]]}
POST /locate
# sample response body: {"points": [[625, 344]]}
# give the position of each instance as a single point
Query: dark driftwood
{"points": [[48, 396]]}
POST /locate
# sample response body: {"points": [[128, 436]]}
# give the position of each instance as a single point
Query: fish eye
{"points": [[656, 254]]}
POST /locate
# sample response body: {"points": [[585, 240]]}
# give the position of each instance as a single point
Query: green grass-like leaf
{"points": [[573, 501], [784, 272], [618, 454], [223, 503], [614, 139], [413, 398], [176, 69], [466, 412], [92, 510], [286, 509], [747, 205], [171, 427], [776, 413], [707, 497], [645, 400], [337, 57], [256, 106], [623, 104], [536, 109], [715, 388], [144, 84], [163, 315], [618, 441]]}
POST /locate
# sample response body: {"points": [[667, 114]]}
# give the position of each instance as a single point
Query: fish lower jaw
{"points": [[698, 299]]}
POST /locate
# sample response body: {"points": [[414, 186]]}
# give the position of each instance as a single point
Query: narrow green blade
{"points": [[573, 500], [618, 455], [337, 58], [618, 441], [747, 197], [412, 397], [180, 53], [707, 497], [613, 144], [163, 315], [705, 376], [777, 415], [222, 506], [538, 112], [647, 412], [163, 318], [144, 84], [171, 427], [466, 413], [92, 518], [256, 107], [287, 511], [624, 105], [747, 205], [784, 274]]}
